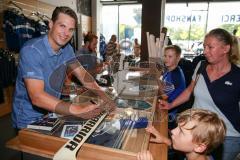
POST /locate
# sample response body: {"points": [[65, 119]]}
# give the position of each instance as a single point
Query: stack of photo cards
{"points": [[70, 130], [46, 123]]}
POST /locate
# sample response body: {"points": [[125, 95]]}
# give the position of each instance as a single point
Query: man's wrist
{"points": [[63, 108]]}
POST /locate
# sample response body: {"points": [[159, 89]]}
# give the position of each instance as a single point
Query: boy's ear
{"points": [[200, 148]]}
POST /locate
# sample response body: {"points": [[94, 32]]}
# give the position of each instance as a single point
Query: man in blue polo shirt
{"points": [[39, 58], [87, 54]]}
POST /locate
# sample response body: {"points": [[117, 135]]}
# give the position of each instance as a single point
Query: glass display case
{"points": [[134, 93], [121, 134]]}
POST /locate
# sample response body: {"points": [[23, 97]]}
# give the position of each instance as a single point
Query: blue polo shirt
{"points": [[175, 77], [37, 61], [87, 58]]}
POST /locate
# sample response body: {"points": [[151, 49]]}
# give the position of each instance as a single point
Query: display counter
{"points": [[121, 135]]}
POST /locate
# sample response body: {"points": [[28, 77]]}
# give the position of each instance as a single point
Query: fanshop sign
{"points": [[184, 18], [201, 19]]}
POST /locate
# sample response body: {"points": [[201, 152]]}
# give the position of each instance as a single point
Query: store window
{"points": [[125, 22], [225, 15], [109, 21], [188, 23]]}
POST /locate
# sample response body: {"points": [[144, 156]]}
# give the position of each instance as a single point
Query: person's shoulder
{"points": [[177, 70], [68, 48], [82, 51], [111, 43], [34, 41], [236, 68], [137, 45], [210, 157], [32, 45], [177, 73]]}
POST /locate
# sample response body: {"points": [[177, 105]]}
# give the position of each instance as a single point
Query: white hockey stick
{"points": [[70, 149]]}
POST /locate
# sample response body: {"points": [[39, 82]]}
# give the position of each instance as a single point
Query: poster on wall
{"points": [[84, 7], [78, 6]]}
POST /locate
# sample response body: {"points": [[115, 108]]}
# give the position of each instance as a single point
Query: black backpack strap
{"points": [[200, 70], [203, 66]]}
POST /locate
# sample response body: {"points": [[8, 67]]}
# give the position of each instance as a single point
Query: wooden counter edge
{"points": [[88, 151], [16, 145], [160, 151]]}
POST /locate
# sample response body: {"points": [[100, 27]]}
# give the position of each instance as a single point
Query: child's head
{"points": [[136, 41], [172, 56], [113, 38], [198, 131]]}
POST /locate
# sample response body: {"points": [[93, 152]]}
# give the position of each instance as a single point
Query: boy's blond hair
{"points": [[209, 129], [176, 48]]}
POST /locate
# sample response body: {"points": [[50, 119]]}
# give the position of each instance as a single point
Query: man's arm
{"points": [[44, 100], [89, 82], [38, 96]]}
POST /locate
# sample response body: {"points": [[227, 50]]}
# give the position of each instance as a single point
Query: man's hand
{"points": [[144, 155], [86, 110], [111, 106]]}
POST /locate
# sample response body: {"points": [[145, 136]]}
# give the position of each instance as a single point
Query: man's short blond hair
{"points": [[209, 129]]}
